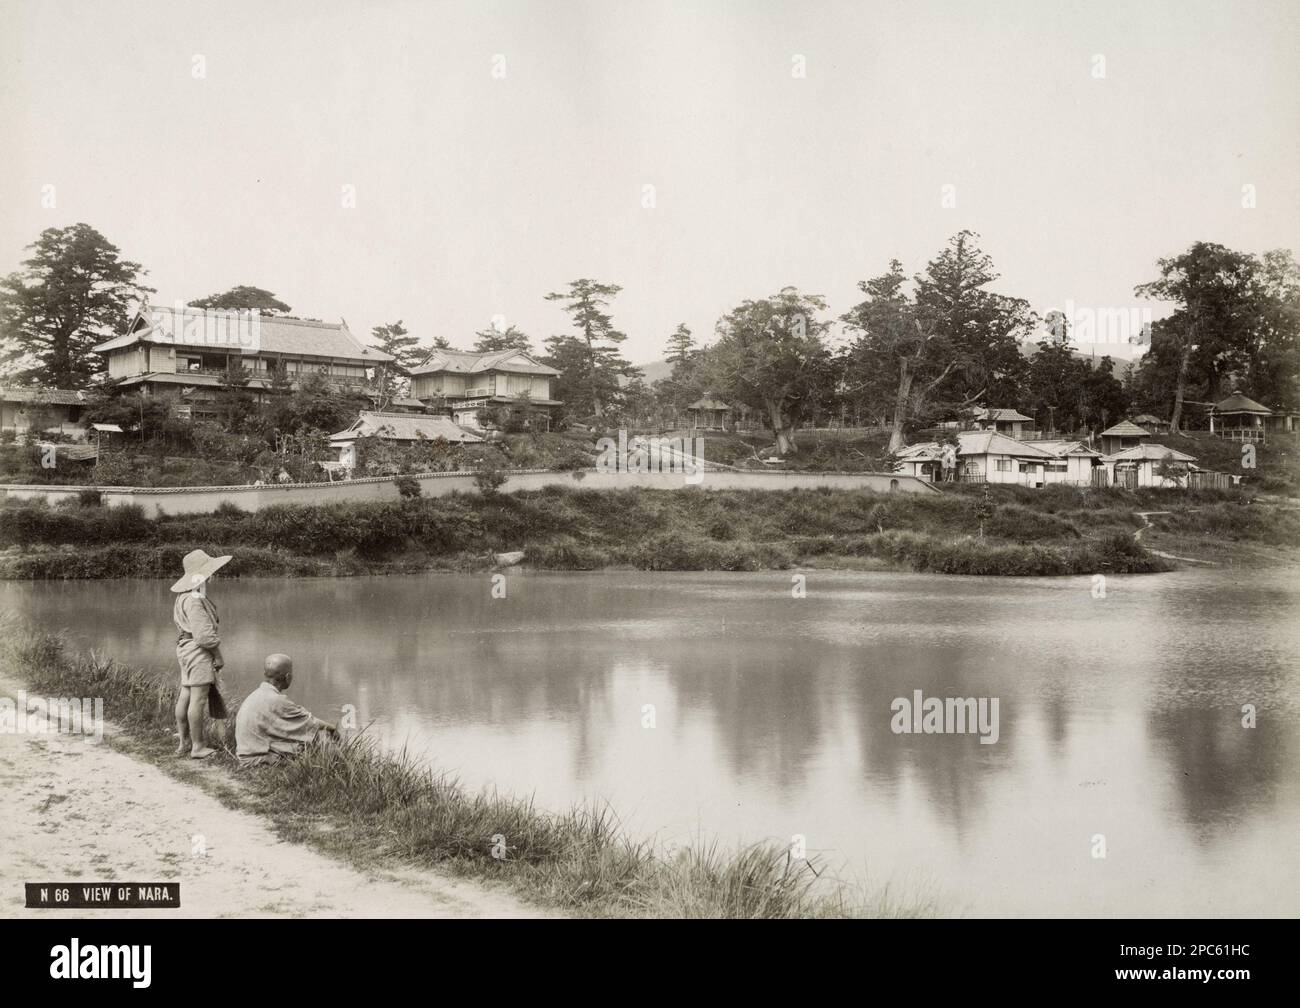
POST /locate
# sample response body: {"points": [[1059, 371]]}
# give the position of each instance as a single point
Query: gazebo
{"points": [[1239, 418], [709, 414]]}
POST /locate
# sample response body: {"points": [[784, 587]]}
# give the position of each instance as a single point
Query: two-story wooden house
{"points": [[184, 353], [464, 383]]}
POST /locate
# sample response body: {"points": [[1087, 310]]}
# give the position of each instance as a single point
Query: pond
{"points": [[722, 706]]}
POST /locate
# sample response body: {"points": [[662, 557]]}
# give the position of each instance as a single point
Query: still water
{"points": [[1119, 716]]}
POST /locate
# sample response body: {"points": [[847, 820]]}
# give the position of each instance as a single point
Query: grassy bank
{"points": [[377, 809], [1052, 531]]}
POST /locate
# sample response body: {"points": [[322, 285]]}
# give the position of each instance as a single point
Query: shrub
{"points": [[1014, 522], [489, 480], [408, 487], [90, 497], [566, 553]]}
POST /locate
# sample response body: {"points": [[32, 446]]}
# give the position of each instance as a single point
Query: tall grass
{"points": [[377, 808]]}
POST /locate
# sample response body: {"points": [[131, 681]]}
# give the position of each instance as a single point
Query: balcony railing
{"points": [[293, 376], [1252, 434]]}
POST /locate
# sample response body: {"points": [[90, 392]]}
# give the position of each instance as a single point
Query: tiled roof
{"points": [[1238, 403], [1126, 429], [1152, 452], [1147, 418], [1000, 415], [993, 443], [55, 397], [708, 404], [405, 427], [405, 401], [977, 443], [920, 452], [1064, 448], [277, 334], [462, 362]]}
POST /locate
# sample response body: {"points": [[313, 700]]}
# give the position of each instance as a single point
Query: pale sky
{"points": [[477, 194]]}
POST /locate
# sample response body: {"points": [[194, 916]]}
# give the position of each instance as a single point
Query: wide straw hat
{"points": [[198, 568]]}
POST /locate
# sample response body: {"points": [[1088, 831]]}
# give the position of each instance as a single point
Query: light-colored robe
{"points": [[270, 726], [198, 648]]}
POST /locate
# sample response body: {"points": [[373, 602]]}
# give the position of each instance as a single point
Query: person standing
{"points": [[198, 649]]}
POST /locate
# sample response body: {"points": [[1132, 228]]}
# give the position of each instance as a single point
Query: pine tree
{"points": [[681, 346], [394, 340], [494, 340], [72, 293], [244, 299], [590, 360]]}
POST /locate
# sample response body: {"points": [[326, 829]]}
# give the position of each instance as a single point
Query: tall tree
{"points": [[1105, 399], [394, 340], [1274, 369], [771, 355], [900, 357], [681, 345], [495, 340], [244, 299], [981, 329], [592, 355], [1210, 333], [687, 381], [72, 292]]}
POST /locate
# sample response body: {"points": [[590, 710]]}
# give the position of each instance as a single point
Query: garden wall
{"points": [[202, 500]]}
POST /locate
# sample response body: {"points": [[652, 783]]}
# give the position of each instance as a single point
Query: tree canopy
{"points": [[244, 299], [72, 292], [771, 355]]}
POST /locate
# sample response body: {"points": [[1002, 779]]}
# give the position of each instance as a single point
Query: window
{"points": [[1026, 467], [1002, 465], [1057, 467]]}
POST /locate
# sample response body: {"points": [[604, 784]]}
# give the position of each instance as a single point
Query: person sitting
{"points": [[270, 727]]}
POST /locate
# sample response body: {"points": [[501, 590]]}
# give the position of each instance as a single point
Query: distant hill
{"points": [[655, 370], [1125, 355]]}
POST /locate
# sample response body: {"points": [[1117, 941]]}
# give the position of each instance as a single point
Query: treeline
{"points": [[915, 350]]}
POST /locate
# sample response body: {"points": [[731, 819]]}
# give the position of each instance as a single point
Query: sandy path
{"points": [[79, 811]]}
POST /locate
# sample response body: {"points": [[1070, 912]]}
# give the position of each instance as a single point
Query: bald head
{"points": [[278, 670]]}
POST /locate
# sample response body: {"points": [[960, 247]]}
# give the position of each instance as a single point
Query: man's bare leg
{"points": [[198, 704], [182, 721]]}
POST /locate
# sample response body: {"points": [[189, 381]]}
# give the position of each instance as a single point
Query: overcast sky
{"points": [[476, 194]]}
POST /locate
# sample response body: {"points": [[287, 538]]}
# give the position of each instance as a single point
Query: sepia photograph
{"points": [[555, 459]]}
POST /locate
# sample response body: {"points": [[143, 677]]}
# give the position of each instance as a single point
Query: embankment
{"points": [[1055, 531]]}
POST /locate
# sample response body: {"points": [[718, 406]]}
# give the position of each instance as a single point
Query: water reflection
{"points": [[1119, 716]]}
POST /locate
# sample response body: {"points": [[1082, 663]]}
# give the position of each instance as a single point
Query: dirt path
{"points": [[1147, 523], [76, 810]]}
